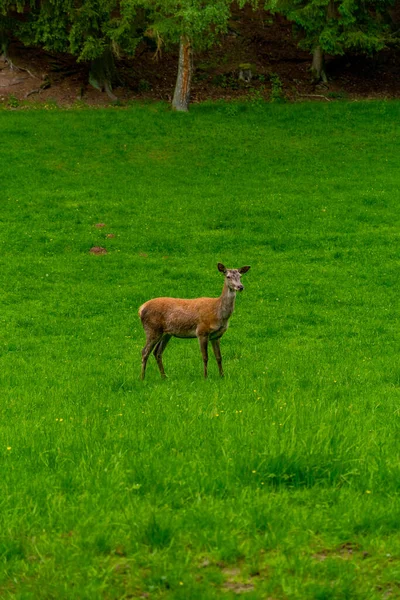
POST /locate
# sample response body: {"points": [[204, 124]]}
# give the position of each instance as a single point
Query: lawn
{"points": [[280, 481]]}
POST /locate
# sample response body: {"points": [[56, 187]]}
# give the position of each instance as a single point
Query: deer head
{"points": [[232, 277]]}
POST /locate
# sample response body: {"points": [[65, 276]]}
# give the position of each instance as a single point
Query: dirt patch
{"points": [[344, 551], [231, 572], [253, 38], [98, 250], [235, 580], [238, 588]]}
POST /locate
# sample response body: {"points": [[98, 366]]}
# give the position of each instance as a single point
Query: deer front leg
{"points": [[203, 339], [218, 357]]}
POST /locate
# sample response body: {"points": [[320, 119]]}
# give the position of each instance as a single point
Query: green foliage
{"points": [[256, 96], [48, 25], [338, 26], [276, 88], [12, 101], [85, 28], [9, 6], [144, 85], [226, 81], [200, 21], [280, 481], [99, 24], [10, 22]]}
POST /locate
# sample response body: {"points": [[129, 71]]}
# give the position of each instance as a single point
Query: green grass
{"points": [[280, 481]]}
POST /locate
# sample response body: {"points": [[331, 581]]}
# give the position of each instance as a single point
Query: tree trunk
{"points": [[332, 11], [318, 65], [185, 68], [3, 45], [103, 73], [4, 56]]}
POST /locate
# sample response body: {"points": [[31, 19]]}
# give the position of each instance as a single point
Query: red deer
{"points": [[204, 318]]}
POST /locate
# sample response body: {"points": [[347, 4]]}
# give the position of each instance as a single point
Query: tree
{"points": [[90, 40], [194, 25], [336, 26], [91, 30], [10, 21]]}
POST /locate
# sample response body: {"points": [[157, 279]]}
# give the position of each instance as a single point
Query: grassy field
{"points": [[280, 481]]}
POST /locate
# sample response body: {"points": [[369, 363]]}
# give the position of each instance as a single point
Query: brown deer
{"points": [[204, 318]]}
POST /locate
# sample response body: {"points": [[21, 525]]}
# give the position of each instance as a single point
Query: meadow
{"points": [[280, 481]]}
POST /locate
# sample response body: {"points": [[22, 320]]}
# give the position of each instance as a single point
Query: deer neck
{"points": [[227, 302]]}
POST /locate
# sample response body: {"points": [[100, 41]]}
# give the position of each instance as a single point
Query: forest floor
{"points": [[254, 37]]}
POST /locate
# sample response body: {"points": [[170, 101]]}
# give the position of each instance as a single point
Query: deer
{"points": [[204, 318]]}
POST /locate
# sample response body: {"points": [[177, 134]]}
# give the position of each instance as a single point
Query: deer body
{"points": [[204, 318]]}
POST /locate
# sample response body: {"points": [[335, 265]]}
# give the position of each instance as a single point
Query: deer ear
{"points": [[221, 268], [243, 270]]}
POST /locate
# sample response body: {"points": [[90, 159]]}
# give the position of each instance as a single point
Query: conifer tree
{"points": [[90, 30], [336, 26], [193, 24], [10, 19]]}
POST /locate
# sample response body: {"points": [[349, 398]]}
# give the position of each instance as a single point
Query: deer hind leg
{"points": [[152, 337], [158, 352], [203, 339], [218, 357]]}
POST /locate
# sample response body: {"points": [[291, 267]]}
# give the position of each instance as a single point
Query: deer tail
{"points": [[141, 309]]}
